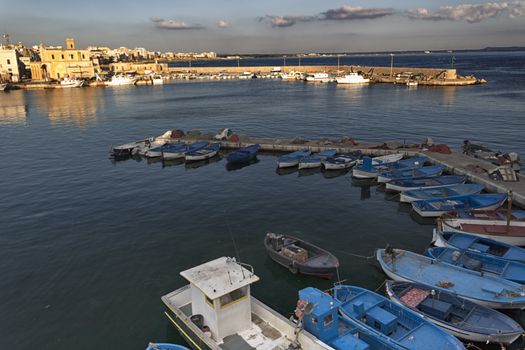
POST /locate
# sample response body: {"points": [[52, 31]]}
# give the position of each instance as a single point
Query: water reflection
{"points": [[332, 174], [63, 106], [309, 172], [200, 163], [13, 109], [286, 171], [238, 166]]}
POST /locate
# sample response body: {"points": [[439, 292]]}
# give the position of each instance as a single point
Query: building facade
{"points": [[58, 63], [139, 68], [11, 68]]}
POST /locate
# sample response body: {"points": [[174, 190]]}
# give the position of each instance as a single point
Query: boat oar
{"points": [[509, 210]]}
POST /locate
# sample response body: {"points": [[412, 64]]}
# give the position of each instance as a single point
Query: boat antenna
{"points": [[234, 245]]}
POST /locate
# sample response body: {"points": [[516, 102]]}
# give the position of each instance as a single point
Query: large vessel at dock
{"points": [[320, 78], [119, 80], [217, 312], [352, 78]]}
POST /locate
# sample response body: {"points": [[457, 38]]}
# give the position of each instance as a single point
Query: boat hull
{"points": [[363, 174], [437, 213], [195, 158], [518, 240]]}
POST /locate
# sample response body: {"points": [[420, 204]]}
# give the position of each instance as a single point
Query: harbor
{"points": [[91, 238]]}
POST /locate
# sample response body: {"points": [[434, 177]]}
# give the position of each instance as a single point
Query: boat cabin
{"points": [[220, 293]]}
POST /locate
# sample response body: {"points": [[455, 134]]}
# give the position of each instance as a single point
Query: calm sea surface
{"points": [[88, 246]]}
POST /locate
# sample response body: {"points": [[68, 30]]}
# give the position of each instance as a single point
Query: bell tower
{"points": [[70, 43]]}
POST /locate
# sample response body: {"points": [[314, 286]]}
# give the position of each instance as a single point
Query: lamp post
{"points": [[391, 64]]}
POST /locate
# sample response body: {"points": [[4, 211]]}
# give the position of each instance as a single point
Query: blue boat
{"points": [[399, 323], [485, 264], [438, 207], [165, 346], [410, 173], [207, 152], [320, 317], [292, 159], [460, 317], [440, 192], [367, 170], [490, 291], [315, 160], [243, 155], [343, 161], [170, 152], [425, 182], [465, 241], [167, 147]]}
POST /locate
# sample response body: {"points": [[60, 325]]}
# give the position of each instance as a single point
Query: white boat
{"points": [[157, 80], [216, 311], [320, 78], [412, 83], [119, 80], [352, 78], [512, 232], [203, 153], [71, 83]]}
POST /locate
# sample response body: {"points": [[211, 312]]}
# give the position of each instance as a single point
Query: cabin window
{"points": [[233, 297], [328, 320], [208, 301]]}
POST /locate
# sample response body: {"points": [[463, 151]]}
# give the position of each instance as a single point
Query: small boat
{"points": [[412, 173], [320, 78], [510, 232], [125, 150], [425, 182], [216, 311], [338, 332], [292, 159], [207, 152], [165, 346], [315, 160], [157, 80], [490, 291], [387, 159], [371, 168], [438, 207], [402, 325], [119, 80], [244, 154], [465, 241], [412, 83], [458, 316], [300, 256], [483, 263], [166, 148], [71, 83], [340, 162], [170, 152], [440, 192], [488, 215], [4, 86], [352, 78]]}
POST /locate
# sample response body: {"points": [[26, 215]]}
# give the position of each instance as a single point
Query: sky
{"points": [[269, 26]]}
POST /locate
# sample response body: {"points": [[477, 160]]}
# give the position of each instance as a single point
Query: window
{"points": [[328, 320], [83, 56], [8, 61], [314, 320], [52, 57], [71, 56], [62, 56], [233, 297]]}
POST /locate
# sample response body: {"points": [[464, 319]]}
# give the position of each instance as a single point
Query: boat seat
{"points": [[349, 342], [480, 247], [381, 320], [493, 289], [471, 264], [436, 308]]}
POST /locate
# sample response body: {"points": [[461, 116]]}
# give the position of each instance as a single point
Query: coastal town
{"points": [[42, 66]]}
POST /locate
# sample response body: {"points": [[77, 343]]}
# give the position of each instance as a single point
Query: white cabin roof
{"points": [[219, 277]]}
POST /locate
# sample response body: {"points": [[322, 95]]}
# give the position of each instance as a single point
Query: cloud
{"points": [[347, 12], [284, 21], [471, 13], [223, 24], [342, 13], [173, 24]]}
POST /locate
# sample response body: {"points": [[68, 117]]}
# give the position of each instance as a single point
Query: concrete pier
{"points": [[456, 163]]}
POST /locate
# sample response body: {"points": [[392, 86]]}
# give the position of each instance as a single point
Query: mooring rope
{"points": [[359, 256]]}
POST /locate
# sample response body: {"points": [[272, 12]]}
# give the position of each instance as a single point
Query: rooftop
{"points": [[219, 277]]}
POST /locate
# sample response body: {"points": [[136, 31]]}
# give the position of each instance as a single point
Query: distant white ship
{"points": [[71, 83], [118, 80], [320, 78], [157, 80], [427, 52], [292, 76], [352, 78]]}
